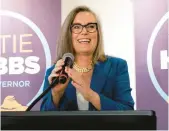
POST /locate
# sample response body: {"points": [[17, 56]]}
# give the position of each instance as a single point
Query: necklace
{"points": [[84, 69]]}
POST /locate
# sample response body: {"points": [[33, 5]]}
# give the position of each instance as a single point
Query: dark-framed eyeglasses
{"points": [[77, 28]]}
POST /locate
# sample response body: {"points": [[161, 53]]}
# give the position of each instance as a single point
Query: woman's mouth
{"points": [[84, 41]]}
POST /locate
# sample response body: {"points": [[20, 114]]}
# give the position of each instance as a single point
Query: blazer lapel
{"points": [[71, 97], [98, 78]]}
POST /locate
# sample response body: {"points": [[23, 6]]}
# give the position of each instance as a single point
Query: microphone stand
{"points": [[56, 81]]}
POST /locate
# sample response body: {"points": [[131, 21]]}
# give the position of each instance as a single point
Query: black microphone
{"points": [[68, 61]]}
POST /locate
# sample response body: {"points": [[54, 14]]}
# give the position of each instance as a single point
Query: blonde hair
{"points": [[64, 43]]}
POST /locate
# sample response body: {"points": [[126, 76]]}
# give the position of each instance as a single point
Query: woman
{"points": [[96, 81]]}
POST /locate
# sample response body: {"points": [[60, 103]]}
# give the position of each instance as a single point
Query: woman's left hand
{"points": [[81, 83]]}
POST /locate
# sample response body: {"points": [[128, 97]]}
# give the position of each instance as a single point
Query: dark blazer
{"points": [[110, 80]]}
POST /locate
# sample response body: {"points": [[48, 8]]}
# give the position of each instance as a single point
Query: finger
{"points": [[74, 76], [56, 70], [59, 63], [77, 86], [68, 79], [78, 83], [51, 77], [66, 69], [70, 72]]}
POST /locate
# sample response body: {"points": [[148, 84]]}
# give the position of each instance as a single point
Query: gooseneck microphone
{"points": [[68, 61]]}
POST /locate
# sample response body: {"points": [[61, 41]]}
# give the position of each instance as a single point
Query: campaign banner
{"points": [[29, 30], [151, 56]]}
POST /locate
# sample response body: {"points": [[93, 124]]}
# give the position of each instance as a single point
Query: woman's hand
{"points": [[58, 90], [81, 83], [55, 73]]}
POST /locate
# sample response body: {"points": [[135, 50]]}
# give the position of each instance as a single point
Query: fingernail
{"points": [[66, 69]]}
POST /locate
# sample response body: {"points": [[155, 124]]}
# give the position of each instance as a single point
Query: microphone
{"points": [[68, 61]]}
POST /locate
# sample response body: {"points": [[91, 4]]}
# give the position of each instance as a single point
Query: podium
{"points": [[79, 120]]}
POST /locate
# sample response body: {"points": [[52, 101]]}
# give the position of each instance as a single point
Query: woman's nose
{"points": [[84, 31]]}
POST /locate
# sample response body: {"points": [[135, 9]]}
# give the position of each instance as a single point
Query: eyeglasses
{"points": [[77, 28]]}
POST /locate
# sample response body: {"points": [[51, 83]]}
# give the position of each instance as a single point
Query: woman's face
{"points": [[84, 38]]}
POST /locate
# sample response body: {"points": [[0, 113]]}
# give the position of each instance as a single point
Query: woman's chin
{"points": [[85, 52]]}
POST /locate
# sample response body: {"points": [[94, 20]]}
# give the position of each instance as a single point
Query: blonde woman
{"points": [[96, 81]]}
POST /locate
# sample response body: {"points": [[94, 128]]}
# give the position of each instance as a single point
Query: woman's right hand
{"points": [[59, 89]]}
